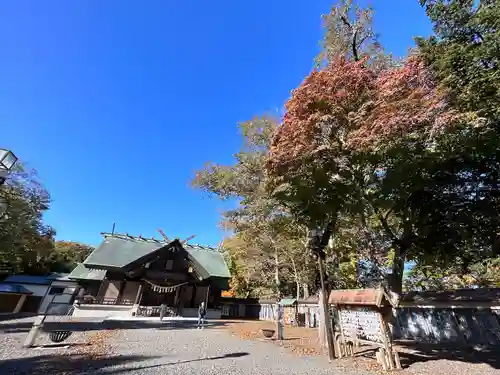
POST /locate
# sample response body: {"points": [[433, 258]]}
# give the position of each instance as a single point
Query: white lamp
{"points": [[7, 159]]}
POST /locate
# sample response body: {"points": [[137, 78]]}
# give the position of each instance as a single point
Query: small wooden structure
{"points": [[289, 310], [363, 316], [12, 298]]}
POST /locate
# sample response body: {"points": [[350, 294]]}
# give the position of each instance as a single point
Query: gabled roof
{"points": [[123, 251], [363, 297], [35, 280], [287, 302], [14, 289], [210, 262], [82, 273], [120, 251]]}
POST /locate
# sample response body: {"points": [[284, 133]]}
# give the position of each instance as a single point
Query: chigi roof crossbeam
{"points": [[126, 236]]}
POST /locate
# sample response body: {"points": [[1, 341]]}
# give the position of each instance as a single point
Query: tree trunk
{"points": [[277, 273], [395, 280], [327, 323], [296, 277], [305, 290], [321, 322]]}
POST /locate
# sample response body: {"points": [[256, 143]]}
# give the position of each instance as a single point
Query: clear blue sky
{"points": [[117, 103]]}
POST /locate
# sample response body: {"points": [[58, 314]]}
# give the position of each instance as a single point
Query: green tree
{"points": [[27, 244], [348, 31], [363, 141], [66, 255], [267, 247], [464, 56], [24, 238]]}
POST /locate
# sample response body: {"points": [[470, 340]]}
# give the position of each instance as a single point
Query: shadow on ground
{"points": [[75, 326], [225, 356], [65, 364], [414, 353], [81, 364], [431, 352]]}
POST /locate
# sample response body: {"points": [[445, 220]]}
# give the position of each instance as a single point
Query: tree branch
{"points": [[354, 36], [354, 46]]}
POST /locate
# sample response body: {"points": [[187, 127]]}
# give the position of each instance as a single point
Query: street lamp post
{"points": [[7, 161], [318, 248]]}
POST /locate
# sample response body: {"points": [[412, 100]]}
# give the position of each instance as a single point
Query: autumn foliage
{"points": [[347, 106]]}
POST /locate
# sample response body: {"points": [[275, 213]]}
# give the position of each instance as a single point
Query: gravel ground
{"points": [[419, 360], [155, 349], [81, 353], [184, 350], [178, 348]]}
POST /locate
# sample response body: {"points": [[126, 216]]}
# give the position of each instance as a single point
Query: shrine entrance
{"points": [[157, 294]]}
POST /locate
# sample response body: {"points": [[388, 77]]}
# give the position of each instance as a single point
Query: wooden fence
{"points": [[446, 325], [307, 310], [458, 317]]}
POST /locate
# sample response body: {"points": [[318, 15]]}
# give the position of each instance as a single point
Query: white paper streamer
{"points": [[164, 289]]}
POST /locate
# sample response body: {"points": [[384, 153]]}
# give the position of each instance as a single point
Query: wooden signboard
{"points": [[361, 323]]}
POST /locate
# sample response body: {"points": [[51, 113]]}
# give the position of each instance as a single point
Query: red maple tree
{"points": [[348, 107]]}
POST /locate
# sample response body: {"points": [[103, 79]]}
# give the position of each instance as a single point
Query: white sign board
{"points": [[361, 323]]}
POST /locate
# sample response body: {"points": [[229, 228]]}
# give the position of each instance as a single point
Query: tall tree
{"points": [[360, 140], [262, 238], [348, 31], [66, 256], [24, 238], [464, 55]]}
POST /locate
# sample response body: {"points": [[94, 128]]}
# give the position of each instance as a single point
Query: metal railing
{"points": [[89, 300], [152, 311]]}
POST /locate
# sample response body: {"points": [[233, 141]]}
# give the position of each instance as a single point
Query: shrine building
{"points": [[129, 276]]}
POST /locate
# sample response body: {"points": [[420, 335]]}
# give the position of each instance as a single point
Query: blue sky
{"points": [[117, 103]]}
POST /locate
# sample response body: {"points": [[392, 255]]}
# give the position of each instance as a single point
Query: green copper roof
{"points": [[120, 251], [82, 273], [210, 262], [287, 302]]}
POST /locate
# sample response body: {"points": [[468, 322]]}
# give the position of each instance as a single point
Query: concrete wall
{"points": [[193, 313], [103, 311]]}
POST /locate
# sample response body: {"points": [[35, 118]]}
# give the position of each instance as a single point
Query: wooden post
{"points": [[138, 296], [281, 317], [120, 291], [177, 300], [326, 312], [19, 304], [206, 298]]}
